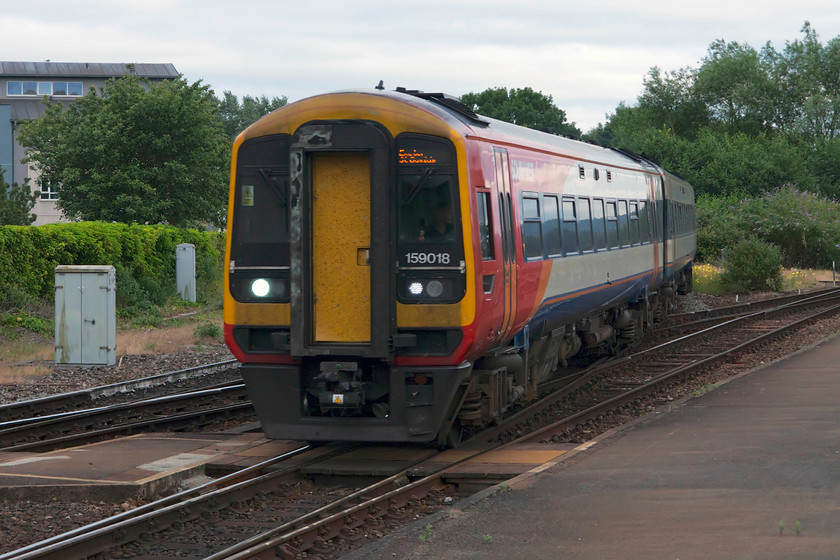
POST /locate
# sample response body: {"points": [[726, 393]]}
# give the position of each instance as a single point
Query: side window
{"points": [[623, 223], [599, 224], [551, 226], [585, 225], [531, 227], [634, 223], [644, 221], [570, 241], [485, 225], [612, 224]]}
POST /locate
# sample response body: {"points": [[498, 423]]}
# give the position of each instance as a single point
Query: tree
{"points": [[135, 152], [524, 107], [237, 116], [16, 202]]}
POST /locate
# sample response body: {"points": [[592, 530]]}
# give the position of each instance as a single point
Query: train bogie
{"points": [[399, 268]]}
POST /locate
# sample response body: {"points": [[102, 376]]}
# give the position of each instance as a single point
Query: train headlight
{"points": [[415, 288], [434, 288], [260, 287]]}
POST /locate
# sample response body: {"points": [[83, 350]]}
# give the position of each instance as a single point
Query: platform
{"points": [[725, 475], [139, 466]]}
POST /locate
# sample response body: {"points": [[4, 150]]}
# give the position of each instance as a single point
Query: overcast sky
{"points": [[589, 55]]}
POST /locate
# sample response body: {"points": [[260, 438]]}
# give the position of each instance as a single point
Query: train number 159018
{"points": [[428, 258]]}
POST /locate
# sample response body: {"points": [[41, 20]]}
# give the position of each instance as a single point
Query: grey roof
{"points": [[85, 69]]}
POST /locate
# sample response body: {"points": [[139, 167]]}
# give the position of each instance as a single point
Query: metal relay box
{"points": [[85, 314]]}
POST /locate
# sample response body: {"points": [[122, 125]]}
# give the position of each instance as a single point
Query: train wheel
{"points": [[454, 436]]}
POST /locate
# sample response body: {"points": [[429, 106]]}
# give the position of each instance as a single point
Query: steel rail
{"points": [[592, 373], [106, 532], [171, 421], [663, 379], [69, 400]]}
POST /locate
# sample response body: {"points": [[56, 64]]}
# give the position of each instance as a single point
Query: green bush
{"points": [[804, 226], [752, 265], [144, 257]]}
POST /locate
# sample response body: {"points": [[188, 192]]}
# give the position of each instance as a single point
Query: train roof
{"points": [[471, 125], [480, 126]]}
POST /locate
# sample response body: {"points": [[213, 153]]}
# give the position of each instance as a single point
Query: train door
{"points": [[340, 243], [341, 257], [502, 165]]}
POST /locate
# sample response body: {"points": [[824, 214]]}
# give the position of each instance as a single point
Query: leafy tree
{"points": [[16, 202], [135, 152], [735, 85], [524, 107], [669, 100], [237, 116]]}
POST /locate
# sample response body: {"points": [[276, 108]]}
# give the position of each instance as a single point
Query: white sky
{"points": [[589, 55]]}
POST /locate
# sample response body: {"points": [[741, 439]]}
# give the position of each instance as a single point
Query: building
{"points": [[23, 86]]}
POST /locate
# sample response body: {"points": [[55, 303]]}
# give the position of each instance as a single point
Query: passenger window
{"points": [[551, 226], [623, 223], [634, 223], [598, 224], [570, 241], [644, 221], [612, 225], [584, 225], [485, 225], [531, 227]]}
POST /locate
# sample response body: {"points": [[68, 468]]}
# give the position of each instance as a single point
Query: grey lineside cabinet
{"points": [[85, 315]]}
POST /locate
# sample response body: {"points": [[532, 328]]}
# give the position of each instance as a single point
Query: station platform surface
{"points": [[733, 474], [139, 466]]}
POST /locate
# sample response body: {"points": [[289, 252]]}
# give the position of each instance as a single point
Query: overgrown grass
{"points": [[708, 279]]}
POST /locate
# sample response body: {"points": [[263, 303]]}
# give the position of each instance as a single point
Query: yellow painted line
{"points": [[514, 457], [64, 478]]}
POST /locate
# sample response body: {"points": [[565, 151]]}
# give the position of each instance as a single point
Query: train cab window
{"points": [[585, 225], [612, 224], [259, 246], [427, 208], [570, 240], [599, 224], [635, 237], [551, 226], [485, 225], [261, 208], [531, 226]]}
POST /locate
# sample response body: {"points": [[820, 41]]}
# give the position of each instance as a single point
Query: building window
{"points": [[70, 89], [47, 192]]}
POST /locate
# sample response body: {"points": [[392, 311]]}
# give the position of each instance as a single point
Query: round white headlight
{"points": [[434, 288], [260, 287], [416, 288]]}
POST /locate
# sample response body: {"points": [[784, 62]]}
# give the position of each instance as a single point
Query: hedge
{"points": [[29, 254]]}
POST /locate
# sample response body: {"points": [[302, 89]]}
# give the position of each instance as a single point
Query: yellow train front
{"points": [[348, 291], [400, 268]]}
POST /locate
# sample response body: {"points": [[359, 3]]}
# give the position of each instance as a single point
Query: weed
{"points": [[487, 539], [706, 279], [206, 329], [781, 527], [797, 528], [426, 533], [26, 321]]}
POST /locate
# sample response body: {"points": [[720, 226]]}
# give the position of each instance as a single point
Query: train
{"points": [[402, 269]]}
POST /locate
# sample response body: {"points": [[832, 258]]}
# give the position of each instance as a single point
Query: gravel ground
{"points": [[22, 523], [65, 379]]}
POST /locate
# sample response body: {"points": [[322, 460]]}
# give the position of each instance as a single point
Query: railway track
{"points": [[625, 386], [61, 420]]}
